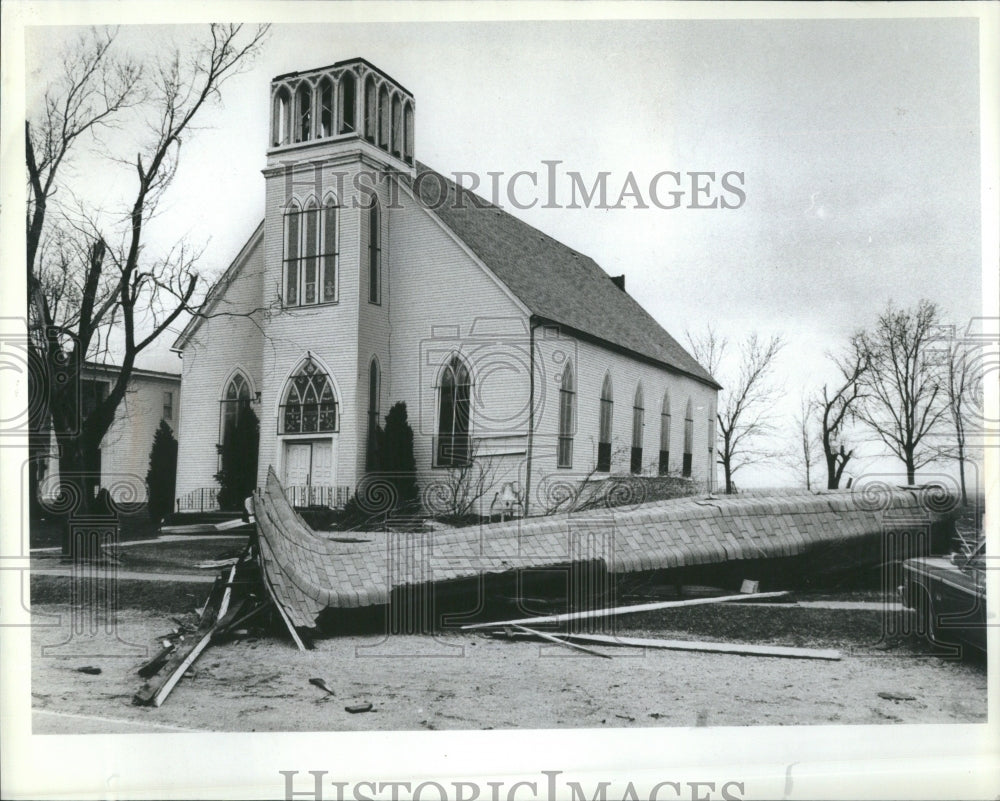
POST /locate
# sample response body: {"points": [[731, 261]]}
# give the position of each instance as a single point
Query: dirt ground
{"points": [[471, 681]]}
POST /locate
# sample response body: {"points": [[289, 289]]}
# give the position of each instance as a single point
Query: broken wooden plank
{"points": [[156, 691], [154, 665], [622, 610], [743, 649], [281, 611], [558, 641]]}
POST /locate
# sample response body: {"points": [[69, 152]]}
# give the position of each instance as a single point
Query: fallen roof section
{"points": [[306, 572]]}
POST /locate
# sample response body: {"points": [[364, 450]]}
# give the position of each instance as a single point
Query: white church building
{"points": [[373, 279]]}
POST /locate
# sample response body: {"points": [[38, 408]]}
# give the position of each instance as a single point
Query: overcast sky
{"points": [[858, 141]]}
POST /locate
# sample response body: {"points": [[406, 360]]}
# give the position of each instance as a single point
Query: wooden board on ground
{"points": [[745, 649], [621, 610]]}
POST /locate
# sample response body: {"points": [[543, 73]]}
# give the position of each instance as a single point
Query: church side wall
{"points": [[220, 346], [442, 303], [591, 362]]}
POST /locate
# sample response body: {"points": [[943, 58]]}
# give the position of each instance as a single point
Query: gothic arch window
{"points": [[309, 405], [665, 435], [384, 123], [348, 102], [312, 245], [374, 403], [397, 126], [303, 112], [374, 213], [454, 397], [281, 117], [408, 133], [688, 440], [567, 416], [235, 403], [325, 104], [604, 434], [637, 427], [371, 109], [330, 250]]}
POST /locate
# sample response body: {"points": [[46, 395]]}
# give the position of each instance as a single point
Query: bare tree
{"points": [[746, 402], [836, 407], [457, 492], [906, 394], [90, 278], [805, 451], [963, 388]]}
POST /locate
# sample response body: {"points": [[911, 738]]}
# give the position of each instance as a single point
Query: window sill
{"points": [[307, 306]]}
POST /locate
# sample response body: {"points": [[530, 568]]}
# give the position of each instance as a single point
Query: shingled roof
{"points": [[557, 283]]}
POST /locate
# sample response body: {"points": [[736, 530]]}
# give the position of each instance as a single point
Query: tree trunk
{"points": [[911, 469], [961, 475], [727, 469], [79, 476]]}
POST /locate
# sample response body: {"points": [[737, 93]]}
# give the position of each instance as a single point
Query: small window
{"points": [[374, 253], [168, 405], [604, 434], [637, 427], [397, 127], [348, 102], [326, 108], [567, 417], [371, 110], [688, 440], [452, 448], [665, 435], [303, 113], [384, 123], [374, 389], [408, 133], [281, 117]]}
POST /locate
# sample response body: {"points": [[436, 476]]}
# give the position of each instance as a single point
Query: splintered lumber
{"points": [[155, 692], [622, 610], [711, 647], [558, 641]]}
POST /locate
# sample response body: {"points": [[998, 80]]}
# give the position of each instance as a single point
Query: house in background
{"points": [[373, 279], [123, 458]]}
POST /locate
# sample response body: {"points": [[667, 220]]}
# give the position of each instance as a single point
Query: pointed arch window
{"points": [[397, 126], [688, 440], [604, 434], [371, 110], [234, 404], [374, 252], [312, 253], [384, 123], [637, 428], [567, 416], [303, 113], [281, 117], [374, 391], [408, 133], [309, 405], [665, 435], [452, 448], [348, 102], [325, 98]]}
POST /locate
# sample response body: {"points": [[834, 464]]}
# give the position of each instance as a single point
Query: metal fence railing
{"points": [[318, 495], [203, 499]]}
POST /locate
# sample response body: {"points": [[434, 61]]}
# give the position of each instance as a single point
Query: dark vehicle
{"points": [[949, 595]]}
